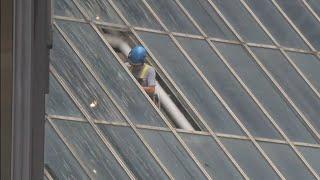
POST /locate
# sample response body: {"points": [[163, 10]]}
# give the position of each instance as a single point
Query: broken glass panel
{"points": [[113, 76], [190, 83]]}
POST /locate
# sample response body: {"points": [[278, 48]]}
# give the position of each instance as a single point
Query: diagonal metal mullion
{"points": [[169, 125], [116, 104], [279, 129], [220, 97], [93, 125], [212, 132], [296, 68], [203, 133], [125, 28], [70, 148]]}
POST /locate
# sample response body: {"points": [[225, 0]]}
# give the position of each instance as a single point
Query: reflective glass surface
{"points": [[250, 160], [309, 65], [90, 148], [286, 161], [172, 154], [66, 8], [172, 16], [227, 85], [112, 74], [265, 92], [304, 20], [81, 82], [211, 157], [137, 14], [133, 152], [275, 23], [292, 82], [208, 19], [190, 83], [312, 155], [315, 5], [58, 102], [100, 10], [242, 21], [58, 158]]}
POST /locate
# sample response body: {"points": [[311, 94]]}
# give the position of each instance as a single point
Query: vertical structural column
{"points": [[30, 83], [6, 86]]}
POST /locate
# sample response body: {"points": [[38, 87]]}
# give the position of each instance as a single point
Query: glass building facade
{"points": [[247, 71]]}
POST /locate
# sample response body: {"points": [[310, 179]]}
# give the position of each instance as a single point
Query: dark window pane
{"points": [[112, 74], [312, 155], [66, 8], [211, 157], [172, 16], [91, 150], [265, 92], [190, 83], [309, 65], [172, 155], [292, 82], [59, 159], [287, 161], [100, 10], [304, 20], [133, 152], [59, 103], [208, 19], [250, 160], [242, 21], [231, 91], [276, 24], [82, 83], [137, 14]]}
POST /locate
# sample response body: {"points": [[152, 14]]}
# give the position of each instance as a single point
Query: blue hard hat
{"points": [[137, 55]]}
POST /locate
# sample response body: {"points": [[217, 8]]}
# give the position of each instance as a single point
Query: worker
{"points": [[144, 73]]}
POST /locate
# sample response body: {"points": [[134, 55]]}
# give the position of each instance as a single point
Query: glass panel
{"points": [[211, 157], [100, 10], [172, 155], [276, 24], [315, 5], [228, 87], [190, 83], [286, 161], [309, 65], [312, 155], [112, 74], [133, 152], [58, 102], [294, 85], [208, 19], [250, 160], [265, 92], [81, 82], [91, 150], [172, 16], [242, 21], [304, 20], [66, 8], [58, 159], [137, 14]]}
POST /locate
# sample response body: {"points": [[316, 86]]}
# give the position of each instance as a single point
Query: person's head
{"points": [[137, 55]]}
